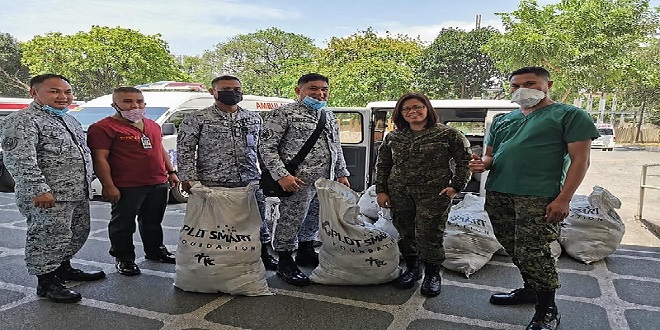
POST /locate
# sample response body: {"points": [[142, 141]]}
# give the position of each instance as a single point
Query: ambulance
{"points": [[167, 104]]}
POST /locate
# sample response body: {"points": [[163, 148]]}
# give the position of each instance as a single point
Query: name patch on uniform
{"points": [[9, 143]]}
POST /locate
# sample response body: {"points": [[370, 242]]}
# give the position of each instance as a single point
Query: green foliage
{"points": [[642, 81], [454, 66], [364, 67], [268, 62], [98, 61], [13, 75], [584, 43]]}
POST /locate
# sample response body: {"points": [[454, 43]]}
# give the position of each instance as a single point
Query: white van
{"points": [[472, 117], [607, 137], [167, 109]]}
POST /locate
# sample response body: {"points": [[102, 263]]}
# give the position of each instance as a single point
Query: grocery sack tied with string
{"points": [[351, 253], [593, 230], [469, 240], [219, 247]]}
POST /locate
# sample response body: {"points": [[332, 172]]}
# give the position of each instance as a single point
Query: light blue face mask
{"points": [[59, 112], [314, 103]]}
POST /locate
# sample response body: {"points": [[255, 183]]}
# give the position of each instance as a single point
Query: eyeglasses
{"points": [[416, 108]]}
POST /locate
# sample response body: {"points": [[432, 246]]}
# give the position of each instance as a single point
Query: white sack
{"points": [[368, 204], [219, 248], [469, 240], [385, 223], [351, 253], [593, 230]]}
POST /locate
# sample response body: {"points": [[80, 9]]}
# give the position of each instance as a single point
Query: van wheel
{"points": [[178, 195]]}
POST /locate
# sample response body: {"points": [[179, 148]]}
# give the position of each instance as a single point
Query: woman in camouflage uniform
{"points": [[414, 179]]}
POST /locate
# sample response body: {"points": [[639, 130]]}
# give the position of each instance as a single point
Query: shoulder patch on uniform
{"points": [[9, 143], [266, 134]]}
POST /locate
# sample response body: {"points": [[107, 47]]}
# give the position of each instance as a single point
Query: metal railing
{"points": [[642, 187]]}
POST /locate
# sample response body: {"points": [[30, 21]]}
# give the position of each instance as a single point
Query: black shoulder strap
{"points": [[300, 156]]}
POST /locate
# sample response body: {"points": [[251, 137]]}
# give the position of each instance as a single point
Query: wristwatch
{"points": [[172, 172]]}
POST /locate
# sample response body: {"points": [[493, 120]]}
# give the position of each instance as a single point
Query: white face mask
{"points": [[527, 97]]}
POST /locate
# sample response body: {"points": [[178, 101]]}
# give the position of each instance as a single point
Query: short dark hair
{"points": [[311, 77], [537, 70], [126, 89], [43, 77], [432, 117], [223, 77]]}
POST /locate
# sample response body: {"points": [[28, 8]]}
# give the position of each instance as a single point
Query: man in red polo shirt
{"points": [[136, 174]]}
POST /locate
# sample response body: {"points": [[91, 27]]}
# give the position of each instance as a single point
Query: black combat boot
{"points": [[524, 295], [412, 274], [67, 273], [431, 283], [546, 317], [306, 255], [289, 271], [51, 287], [269, 261]]}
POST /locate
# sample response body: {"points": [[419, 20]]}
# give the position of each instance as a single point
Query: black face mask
{"points": [[229, 97]]}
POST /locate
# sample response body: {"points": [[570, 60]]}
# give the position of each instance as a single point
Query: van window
{"points": [[605, 131], [177, 117], [350, 127], [468, 128]]}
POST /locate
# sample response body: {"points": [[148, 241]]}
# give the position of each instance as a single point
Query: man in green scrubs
{"points": [[527, 191]]}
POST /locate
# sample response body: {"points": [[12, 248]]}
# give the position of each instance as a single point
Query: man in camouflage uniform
{"points": [[414, 177], [285, 131], [45, 151], [526, 194], [217, 146]]}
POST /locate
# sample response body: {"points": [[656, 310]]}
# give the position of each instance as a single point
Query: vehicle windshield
{"points": [[605, 131], [90, 115]]}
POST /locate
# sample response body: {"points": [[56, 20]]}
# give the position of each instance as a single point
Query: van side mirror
{"points": [[168, 129]]}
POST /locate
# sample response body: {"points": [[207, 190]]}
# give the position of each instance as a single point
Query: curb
{"points": [[653, 226]]}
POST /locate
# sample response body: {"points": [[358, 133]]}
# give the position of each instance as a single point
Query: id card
{"points": [[146, 143], [250, 141]]}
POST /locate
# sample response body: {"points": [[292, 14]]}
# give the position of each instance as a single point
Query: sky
{"points": [[192, 26]]}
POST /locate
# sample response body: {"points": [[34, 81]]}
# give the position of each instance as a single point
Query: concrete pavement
{"points": [[619, 293]]}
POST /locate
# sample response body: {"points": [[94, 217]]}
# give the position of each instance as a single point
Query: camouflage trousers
{"points": [[519, 225], [299, 219], [420, 216], [55, 234]]}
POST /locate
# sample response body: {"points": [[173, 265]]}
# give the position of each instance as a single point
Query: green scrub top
{"points": [[530, 152]]}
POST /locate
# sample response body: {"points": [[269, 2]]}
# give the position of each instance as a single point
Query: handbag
{"points": [[272, 188]]}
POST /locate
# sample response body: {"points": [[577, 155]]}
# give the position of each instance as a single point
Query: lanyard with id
{"points": [[146, 143]]}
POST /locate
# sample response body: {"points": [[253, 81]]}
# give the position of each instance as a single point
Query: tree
{"points": [[584, 43], [641, 84], [266, 61], [454, 66], [98, 61], [364, 67], [13, 75]]}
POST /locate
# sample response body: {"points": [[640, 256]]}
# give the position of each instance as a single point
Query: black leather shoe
{"points": [[289, 272], [127, 267], [67, 273], [412, 274], [545, 320], [51, 287], [515, 297], [306, 256], [164, 257], [432, 281]]}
